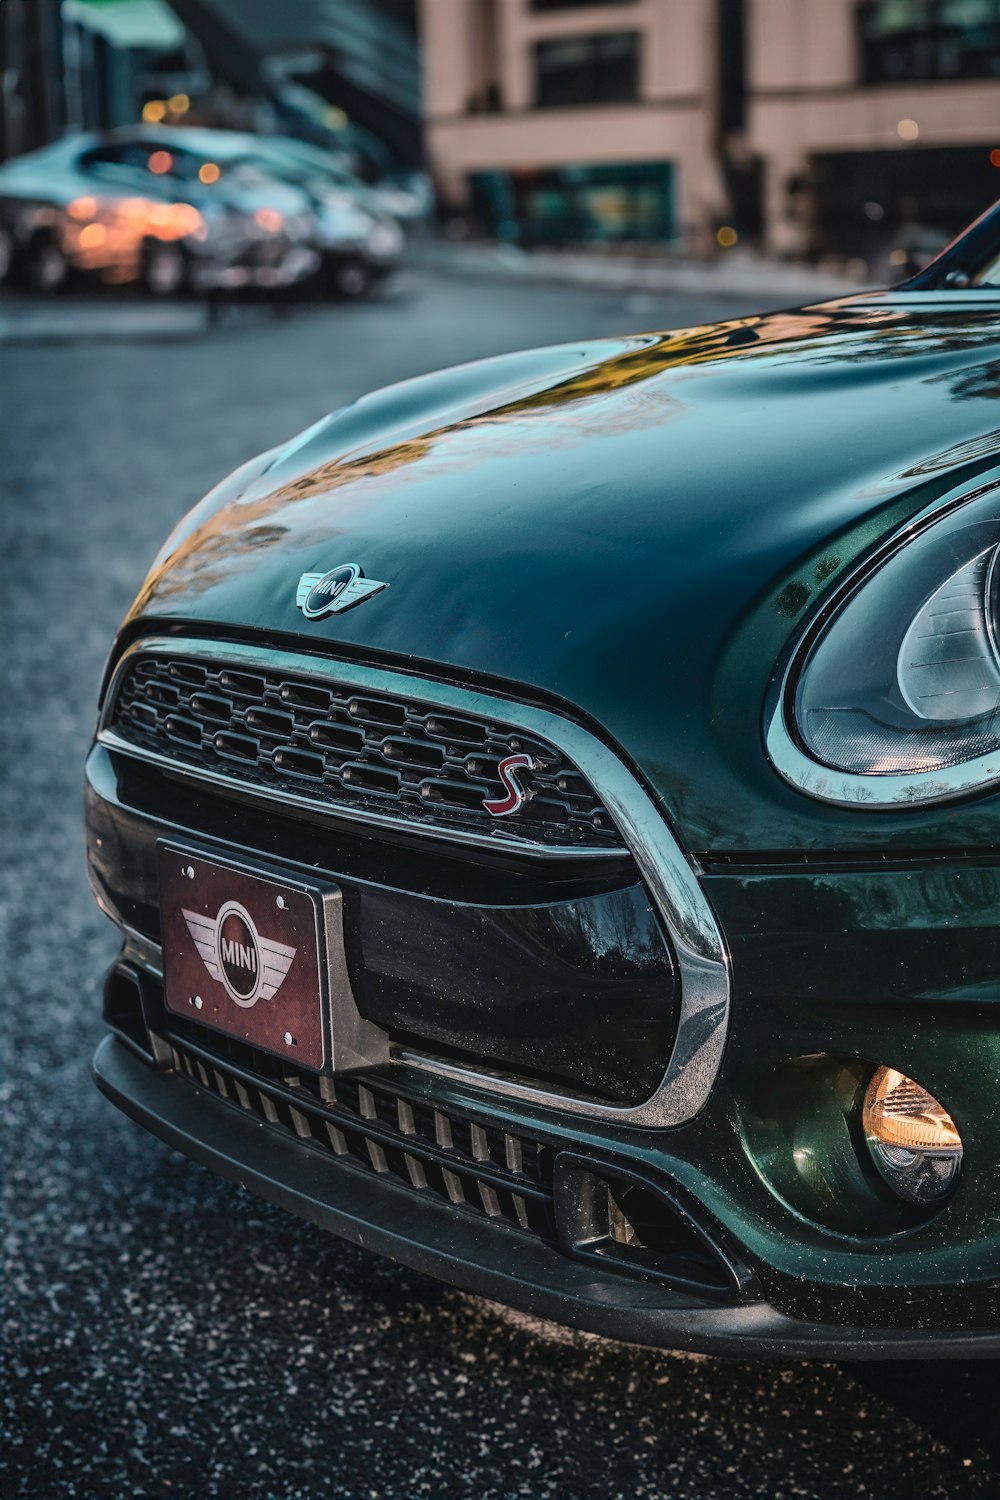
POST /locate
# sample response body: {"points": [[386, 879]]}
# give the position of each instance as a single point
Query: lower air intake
{"points": [[611, 1214]]}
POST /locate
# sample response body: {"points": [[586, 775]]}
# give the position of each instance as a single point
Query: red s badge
{"points": [[516, 797]]}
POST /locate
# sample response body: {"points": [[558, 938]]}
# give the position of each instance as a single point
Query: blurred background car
{"points": [[192, 209], [357, 161], [356, 240], [126, 212], [404, 192]]}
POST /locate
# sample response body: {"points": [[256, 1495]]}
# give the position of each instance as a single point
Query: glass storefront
{"points": [[574, 205]]}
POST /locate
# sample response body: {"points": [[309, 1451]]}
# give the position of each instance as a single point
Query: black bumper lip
{"points": [[487, 1259]]}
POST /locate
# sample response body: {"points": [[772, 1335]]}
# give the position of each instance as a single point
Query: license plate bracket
{"points": [[243, 953]]}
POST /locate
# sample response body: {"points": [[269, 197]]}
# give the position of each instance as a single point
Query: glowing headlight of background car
{"points": [[895, 696]]}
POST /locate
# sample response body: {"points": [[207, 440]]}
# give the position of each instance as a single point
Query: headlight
{"points": [[385, 239], [894, 697]]}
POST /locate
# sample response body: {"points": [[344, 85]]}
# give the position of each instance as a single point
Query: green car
{"points": [[551, 812]]}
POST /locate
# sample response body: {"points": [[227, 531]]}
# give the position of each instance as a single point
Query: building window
{"points": [[904, 41], [541, 5], [587, 69]]}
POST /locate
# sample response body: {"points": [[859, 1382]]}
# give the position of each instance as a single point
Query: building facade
{"points": [[553, 120], [343, 72], [872, 120], [811, 127], [321, 60]]}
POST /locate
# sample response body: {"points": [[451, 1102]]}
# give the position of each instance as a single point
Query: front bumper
{"points": [[774, 1235], [258, 265], [477, 1255]]}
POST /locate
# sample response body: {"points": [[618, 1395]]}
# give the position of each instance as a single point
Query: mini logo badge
{"points": [[250, 967], [320, 594], [502, 807]]}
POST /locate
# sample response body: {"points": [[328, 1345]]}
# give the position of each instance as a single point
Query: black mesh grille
{"points": [[478, 1168], [359, 750]]}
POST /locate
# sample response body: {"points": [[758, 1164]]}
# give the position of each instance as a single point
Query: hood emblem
{"points": [[517, 796], [320, 594], [249, 967]]}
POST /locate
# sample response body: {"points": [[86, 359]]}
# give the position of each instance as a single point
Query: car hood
{"points": [[634, 527]]}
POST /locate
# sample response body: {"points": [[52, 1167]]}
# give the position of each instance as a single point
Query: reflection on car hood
{"points": [[634, 526]]}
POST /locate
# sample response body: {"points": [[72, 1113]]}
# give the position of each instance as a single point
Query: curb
{"points": [[745, 280]]}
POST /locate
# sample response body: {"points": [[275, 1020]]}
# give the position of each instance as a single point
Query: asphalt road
{"points": [[166, 1333]]}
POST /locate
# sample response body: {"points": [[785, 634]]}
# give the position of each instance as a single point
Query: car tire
{"points": [[6, 254], [164, 268], [352, 279], [41, 265]]}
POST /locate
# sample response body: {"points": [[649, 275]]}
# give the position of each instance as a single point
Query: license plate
{"points": [[241, 954]]}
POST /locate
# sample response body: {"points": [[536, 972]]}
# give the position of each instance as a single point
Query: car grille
{"points": [[356, 751], [479, 1168]]}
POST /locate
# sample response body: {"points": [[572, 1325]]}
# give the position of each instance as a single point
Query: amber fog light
{"points": [[912, 1138]]}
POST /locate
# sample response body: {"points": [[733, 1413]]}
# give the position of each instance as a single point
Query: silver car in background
{"points": [[123, 211], [357, 243]]}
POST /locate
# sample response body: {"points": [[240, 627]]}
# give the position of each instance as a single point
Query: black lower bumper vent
{"points": [[592, 1209]]}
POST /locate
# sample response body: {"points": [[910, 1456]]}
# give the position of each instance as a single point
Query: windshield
{"points": [[971, 261]]}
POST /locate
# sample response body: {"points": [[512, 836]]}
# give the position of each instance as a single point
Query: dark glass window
{"points": [[562, 205], [903, 41], [573, 4], [587, 69]]}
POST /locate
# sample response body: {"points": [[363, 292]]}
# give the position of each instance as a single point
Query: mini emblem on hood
{"points": [[320, 594], [502, 807]]}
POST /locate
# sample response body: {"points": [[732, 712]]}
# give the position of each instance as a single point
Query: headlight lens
{"points": [[897, 699]]}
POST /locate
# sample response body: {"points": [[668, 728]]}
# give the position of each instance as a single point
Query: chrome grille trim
{"points": [[564, 817], [673, 883], [366, 752]]}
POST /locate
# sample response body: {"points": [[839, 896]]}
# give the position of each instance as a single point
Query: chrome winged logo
{"points": [[320, 594], [250, 967]]}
